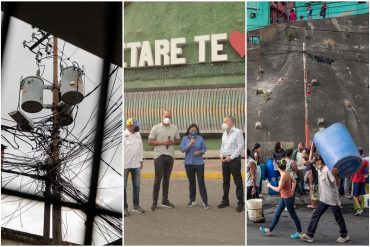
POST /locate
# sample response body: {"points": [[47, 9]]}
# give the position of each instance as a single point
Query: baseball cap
{"points": [[132, 121]]}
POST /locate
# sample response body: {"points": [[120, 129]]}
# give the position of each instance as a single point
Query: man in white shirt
{"points": [[133, 161], [329, 198], [230, 155], [163, 136]]}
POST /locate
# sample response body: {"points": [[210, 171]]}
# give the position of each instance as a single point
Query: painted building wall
{"points": [[201, 93], [258, 15], [265, 17], [334, 9], [154, 21]]}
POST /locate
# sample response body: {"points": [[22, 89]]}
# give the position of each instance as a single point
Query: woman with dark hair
{"points": [[278, 155], [256, 153], [193, 145], [286, 188]]}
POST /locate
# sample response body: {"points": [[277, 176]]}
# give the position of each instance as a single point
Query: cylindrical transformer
{"points": [[32, 94], [65, 115], [71, 87]]}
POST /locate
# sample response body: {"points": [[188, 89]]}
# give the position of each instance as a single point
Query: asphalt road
{"points": [[182, 225], [326, 234]]}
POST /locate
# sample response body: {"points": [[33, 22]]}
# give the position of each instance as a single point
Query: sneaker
{"points": [[343, 239], [240, 208], [167, 204], [359, 212], [206, 206], [223, 204], [295, 235], [154, 206], [126, 212], [306, 238], [349, 197], [265, 230], [138, 209], [191, 204]]}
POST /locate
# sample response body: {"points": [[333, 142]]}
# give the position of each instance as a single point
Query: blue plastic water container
{"points": [[270, 171], [274, 182], [263, 170], [337, 148]]}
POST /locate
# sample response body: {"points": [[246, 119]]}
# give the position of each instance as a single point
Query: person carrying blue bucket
{"points": [[339, 158], [329, 198]]}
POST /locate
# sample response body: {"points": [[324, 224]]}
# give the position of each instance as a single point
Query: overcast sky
{"points": [[18, 62]]}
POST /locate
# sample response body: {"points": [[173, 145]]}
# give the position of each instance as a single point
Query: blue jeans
{"points": [[135, 177], [289, 204]]}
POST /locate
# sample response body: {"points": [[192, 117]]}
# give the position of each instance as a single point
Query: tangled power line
{"points": [[24, 164]]}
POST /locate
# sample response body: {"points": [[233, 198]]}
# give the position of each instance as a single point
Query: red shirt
{"points": [[292, 16], [359, 176]]}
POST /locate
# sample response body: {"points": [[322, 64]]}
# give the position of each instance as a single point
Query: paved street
{"points": [[327, 231], [182, 225]]}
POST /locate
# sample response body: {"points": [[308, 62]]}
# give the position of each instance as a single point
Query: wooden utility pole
{"points": [[306, 129], [55, 170]]}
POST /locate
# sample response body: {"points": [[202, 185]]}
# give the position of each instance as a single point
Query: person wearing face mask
{"points": [[329, 198], [194, 147], [133, 161], [163, 136], [230, 154]]}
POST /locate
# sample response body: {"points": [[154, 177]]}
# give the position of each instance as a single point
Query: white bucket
{"points": [[254, 209], [265, 189]]}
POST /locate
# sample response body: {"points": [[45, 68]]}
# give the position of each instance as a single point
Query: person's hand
{"points": [[192, 141], [335, 171], [310, 187], [254, 190], [197, 153], [269, 185], [141, 165], [167, 142], [228, 159]]}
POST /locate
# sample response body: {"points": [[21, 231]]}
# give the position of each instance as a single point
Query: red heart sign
{"points": [[237, 42]]}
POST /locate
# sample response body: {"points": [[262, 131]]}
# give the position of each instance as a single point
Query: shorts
{"points": [[358, 189]]}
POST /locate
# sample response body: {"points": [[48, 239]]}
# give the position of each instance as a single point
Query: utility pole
{"points": [[306, 129], [57, 217]]}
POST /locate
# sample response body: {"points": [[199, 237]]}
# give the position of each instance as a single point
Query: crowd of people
{"points": [[164, 137], [301, 172]]}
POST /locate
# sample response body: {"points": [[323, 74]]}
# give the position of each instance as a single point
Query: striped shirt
{"points": [[232, 143]]}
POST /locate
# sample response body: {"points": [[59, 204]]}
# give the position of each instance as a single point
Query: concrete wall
{"points": [[275, 68]]}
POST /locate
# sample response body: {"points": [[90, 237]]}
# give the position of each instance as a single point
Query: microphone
{"points": [[168, 138]]}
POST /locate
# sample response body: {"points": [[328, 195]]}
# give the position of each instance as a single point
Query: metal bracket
{"points": [[49, 87], [47, 106]]}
